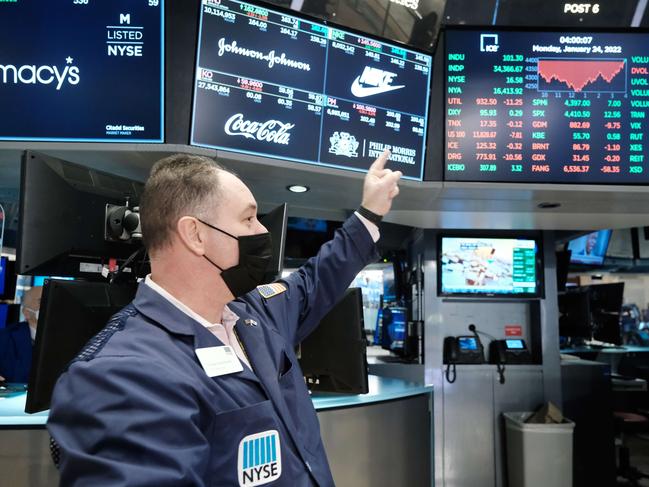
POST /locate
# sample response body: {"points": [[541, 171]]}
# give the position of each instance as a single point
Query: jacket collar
{"points": [[155, 307]]}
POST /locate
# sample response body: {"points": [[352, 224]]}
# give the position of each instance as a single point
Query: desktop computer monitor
{"points": [[333, 357], [590, 249], [394, 325], [575, 314], [563, 268], [71, 313], [606, 305], [275, 222], [62, 222], [7, 279]]}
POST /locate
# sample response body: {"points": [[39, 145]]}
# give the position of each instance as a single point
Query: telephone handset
{"points": [[509, 351], [461, 350]]}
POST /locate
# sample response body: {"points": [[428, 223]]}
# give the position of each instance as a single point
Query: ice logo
{"points": [[343, 144], [489, 43], [270, 131], [30, 74]]}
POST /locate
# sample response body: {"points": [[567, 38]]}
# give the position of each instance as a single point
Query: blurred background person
{"points": [[16, 340]]}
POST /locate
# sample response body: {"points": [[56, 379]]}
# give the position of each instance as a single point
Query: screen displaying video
{"points": [[488, 266], [590, 249]]}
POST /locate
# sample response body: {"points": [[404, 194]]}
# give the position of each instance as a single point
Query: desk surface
{"points": [[626, 349], [12, 408]]}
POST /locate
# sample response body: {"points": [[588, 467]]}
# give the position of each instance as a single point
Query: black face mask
{"points": [[255, 253]]}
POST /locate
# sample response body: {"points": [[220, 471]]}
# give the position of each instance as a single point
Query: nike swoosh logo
{"points": [[360, 91]]}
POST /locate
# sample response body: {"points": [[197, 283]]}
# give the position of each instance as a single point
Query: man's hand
{"points": [[380, 186]]}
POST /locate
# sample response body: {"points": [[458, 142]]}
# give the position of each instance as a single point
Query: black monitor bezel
{"points": [[540, 277]]}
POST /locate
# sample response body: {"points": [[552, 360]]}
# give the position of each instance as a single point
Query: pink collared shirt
{"points": [[223, 331]]}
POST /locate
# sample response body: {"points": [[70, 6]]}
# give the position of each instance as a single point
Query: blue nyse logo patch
{"points": [[260, 459]]}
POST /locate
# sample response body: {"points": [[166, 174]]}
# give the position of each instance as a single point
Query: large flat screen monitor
{"points": [[546, 107], [71, 313], [590, 249], [343, 367], [272, 84], [489, 267], [606, 305], [63, 217], [82, 70]]}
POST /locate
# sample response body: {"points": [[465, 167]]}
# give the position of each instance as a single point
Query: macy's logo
{"points": [[30, 74], [269, 131]]}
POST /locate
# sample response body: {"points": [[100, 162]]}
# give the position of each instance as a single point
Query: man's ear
{"points": [[191, 235]]}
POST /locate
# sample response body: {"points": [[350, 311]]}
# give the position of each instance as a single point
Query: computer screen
{"points": [[606, 308], [592, 312], [546, 106], [275, 223], [270, 83], [340, 368], [71, 313], [63, 217], [307, 224], [7, 279], [513, 344], [621, 245], [81, 70], [3, 274], [574, 314], [563, 267], [40, 280], [488, 266], [394, 323], [590, 249], [4, 312], [468, 343]]}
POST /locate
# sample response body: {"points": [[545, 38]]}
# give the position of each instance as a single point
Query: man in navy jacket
{"points": [[196, 383], [16, 340]]}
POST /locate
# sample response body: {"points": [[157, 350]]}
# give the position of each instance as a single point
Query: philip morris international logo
{"points": [[260, 459]]}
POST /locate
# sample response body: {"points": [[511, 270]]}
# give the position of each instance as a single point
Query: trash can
{"points": [[538, 455]]}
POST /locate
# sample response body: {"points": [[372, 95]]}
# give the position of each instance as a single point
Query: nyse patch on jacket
{"points": [[259, 460]]}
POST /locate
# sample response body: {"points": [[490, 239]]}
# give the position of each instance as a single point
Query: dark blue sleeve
{"points": [[321, 282], [108, 415]]}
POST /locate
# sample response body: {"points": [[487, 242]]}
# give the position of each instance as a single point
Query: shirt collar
{"points": [[229, 318]]}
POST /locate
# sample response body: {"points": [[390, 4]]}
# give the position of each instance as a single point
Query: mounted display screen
{"points": [[82, 70], [547, 107], [476, 266], [590, 249], [276, 85]]}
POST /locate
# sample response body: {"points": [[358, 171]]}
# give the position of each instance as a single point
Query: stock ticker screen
{"points": [[547, 107], [82, 70], [272, 84]]}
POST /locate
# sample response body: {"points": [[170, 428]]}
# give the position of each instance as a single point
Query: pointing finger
{"points": [[379, 163]]}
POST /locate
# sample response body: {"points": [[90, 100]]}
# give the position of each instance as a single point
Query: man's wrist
{"points": [[370, 215]]}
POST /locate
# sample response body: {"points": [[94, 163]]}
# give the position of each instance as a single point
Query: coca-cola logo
{"points": [[270, 131]]}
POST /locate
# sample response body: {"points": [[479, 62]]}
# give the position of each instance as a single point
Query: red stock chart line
{"points": [[580, 75]]}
